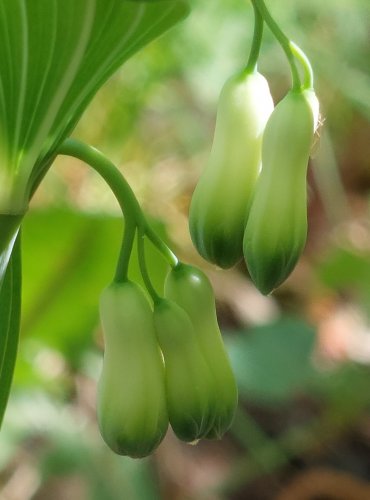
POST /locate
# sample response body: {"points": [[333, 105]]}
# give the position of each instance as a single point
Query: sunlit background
{"points": [[301, 356]]}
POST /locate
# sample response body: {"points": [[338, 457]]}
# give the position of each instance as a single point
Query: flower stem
{"points": [[305, 63], [110, 174], [143, 268], [161, 245], [134, 217], [282, 39], [121, 274], [257, 40]]}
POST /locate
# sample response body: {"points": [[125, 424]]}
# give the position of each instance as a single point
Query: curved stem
{"points": [[305, 63], [130, 207], [110, 174], [121, 274], [143, 269], [282, 39], [161, 245], [257, 40]]}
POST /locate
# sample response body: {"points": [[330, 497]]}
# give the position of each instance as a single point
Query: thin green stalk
{"points": [[257, 40], [143, 269], [282, 39], [161, 245], [134, 216], [113, 177], [121, 274], [305, 63], [126, 198]]}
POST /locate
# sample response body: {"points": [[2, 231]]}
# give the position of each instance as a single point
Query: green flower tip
{"points": [[272, 266]]}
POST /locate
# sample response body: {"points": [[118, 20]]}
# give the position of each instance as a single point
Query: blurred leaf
{"points": [[334, 387], [346, 269], [10, 310], [113, 477], [273, 362], [65, 447]]}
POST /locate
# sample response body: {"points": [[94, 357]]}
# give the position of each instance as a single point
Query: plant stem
{"points": [[161, 245], [257, 40], [282, 39], [305, 63], [143, 269], [122, 191], [121, 274], [110, 174], [134, 217]]}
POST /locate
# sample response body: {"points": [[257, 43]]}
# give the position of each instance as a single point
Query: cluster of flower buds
{"points": [[251, 198], [163, 365]]}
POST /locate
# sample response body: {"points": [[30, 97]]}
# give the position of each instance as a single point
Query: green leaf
{"points": [[347, 269], [54, 56], [10, 310], [272, 363]]}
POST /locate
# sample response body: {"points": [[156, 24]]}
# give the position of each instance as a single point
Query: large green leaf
{"points": [[54, 56], [272, 363], [10, 310]]}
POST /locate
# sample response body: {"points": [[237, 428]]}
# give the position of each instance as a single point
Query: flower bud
{"points": [[188, 381], [221, 200], [191, 290], [276, 230], [132, 412]]}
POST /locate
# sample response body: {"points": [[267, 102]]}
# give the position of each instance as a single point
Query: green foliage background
{"points": [[303, 382]]}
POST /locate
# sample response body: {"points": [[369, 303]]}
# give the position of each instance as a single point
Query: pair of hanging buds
{"points": [[251, 198], [163, 365]]}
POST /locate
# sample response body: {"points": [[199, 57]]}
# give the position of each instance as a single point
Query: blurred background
{"points": [[301, 356]]}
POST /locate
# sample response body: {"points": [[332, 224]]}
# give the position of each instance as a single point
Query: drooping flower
{"points": [[131, 403], [276, 230], [221, 201]]}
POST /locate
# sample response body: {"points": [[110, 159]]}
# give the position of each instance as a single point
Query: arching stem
{"points": [[134, 217], [305, 63], [282, 39]]}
